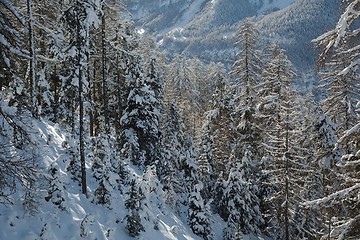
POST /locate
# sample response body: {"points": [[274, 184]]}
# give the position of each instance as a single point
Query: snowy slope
{"points": [[206, 28], [82, 217]]}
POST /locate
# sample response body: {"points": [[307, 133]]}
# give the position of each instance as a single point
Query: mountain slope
{"points": [[208, 32]]}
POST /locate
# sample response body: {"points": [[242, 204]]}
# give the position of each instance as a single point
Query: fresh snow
{"points": [[81, 217]]}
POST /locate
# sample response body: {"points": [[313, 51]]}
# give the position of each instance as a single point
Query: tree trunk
{"points": [[32, 63], [81, 111], [286, 211], [104, 80]]}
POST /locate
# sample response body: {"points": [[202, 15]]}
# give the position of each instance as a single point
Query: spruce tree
{"points": [[56, 188], [240, 199], [133, 205], [199, 215], [140, 119], [177, 164], [102, 171]]}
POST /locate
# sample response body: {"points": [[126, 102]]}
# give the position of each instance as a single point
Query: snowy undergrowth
{"points": [[82, 219]]}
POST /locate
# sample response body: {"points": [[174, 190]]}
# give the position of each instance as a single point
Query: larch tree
{"points": [[340, 57], [286, 163], [339, 60], [180, 85]]}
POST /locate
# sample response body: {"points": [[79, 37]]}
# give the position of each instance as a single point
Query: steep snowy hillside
{"points": [[295, 26], [160, 15], [70, 215], [206, 30]]}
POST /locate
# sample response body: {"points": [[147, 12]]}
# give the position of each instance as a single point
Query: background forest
{"points": [[105, 136]]}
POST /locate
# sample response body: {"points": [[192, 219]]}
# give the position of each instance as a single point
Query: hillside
{"points": [[208, 32], [80, 217], [183, 120]]}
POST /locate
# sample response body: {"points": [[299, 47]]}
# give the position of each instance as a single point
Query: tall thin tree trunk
{"points": [[32, 71], [91, 113], [104, 80], [287, 156], [81, 112]]}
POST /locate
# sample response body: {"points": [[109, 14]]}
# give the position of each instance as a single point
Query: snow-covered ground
{"points": [[81, 217]]}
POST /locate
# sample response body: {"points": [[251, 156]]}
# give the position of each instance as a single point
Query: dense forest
{"points": [[240, 143]]}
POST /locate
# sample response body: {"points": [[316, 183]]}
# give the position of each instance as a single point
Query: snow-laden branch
{"points": [[332, 197]]}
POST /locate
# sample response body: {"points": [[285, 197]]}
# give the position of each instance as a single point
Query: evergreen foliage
{"points": [[133, 204], [198, 214], [56, 188], [191, 133]]}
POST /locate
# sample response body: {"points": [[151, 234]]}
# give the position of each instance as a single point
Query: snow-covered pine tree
{"points": [[133, 204], [56, 187], [122, 41], [176, 168], [49, 40], [199, 215], [140, 119], [107, 78], [103, 170], [240, 199], [217, 130], [205, 170]]}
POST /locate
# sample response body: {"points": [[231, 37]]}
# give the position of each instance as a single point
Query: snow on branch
{"points": [[333, 197]]}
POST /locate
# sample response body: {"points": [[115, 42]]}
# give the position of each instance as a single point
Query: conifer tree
{"points": [[133, 204], [199, 215], [140, 118], [286, 156], [177, 164], [56, 188], [340, 60], [11, 55], [102, 171], [241, 201], [180, 86], [217, 130], [246, 69]]}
